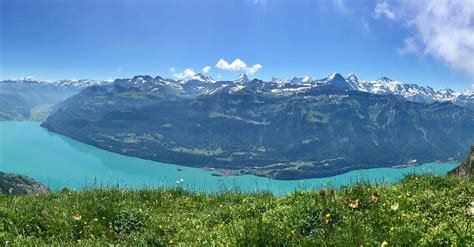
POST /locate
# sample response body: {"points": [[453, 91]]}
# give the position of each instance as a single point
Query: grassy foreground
{"points": [[420, 210]]}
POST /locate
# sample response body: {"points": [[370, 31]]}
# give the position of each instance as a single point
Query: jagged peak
{"points": [[201, 77], [142, 77], [333, 76], [352, 77], [242, 78], [385, 78]]}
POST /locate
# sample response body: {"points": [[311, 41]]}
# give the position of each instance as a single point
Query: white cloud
{"points": [[443, 29], [383, 9], [252, 70], [186, 74], [238, 65], [206, 69], [409, 46]]}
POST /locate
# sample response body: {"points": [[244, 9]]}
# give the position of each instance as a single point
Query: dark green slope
{"points": [[318, 133], [466, 168]]}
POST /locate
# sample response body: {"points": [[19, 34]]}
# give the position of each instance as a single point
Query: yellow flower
{"points": [[384, 243]]}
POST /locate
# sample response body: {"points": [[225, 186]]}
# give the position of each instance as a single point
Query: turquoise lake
{"points": [[58, 161]]}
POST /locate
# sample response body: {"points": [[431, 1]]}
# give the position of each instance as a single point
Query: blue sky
{"points": [[119, 39]]}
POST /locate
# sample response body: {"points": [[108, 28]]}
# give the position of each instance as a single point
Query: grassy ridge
{"points": [[420, 210]]}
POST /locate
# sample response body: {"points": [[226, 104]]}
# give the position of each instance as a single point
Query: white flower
{"points": [[395, 206]]}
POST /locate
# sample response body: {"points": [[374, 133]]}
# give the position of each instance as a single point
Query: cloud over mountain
{"points": [[238, 65], [443, 29], [186, 74]]}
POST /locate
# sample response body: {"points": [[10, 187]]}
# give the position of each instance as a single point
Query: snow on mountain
{"points": [[71, 83], [412, 92], [201, 84], [242, 79], [203, 78], [336, 80], [278, 81], [80, 83]]}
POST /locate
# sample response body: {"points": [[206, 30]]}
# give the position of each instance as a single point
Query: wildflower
{"points": [[395, 206], [384, 243], [322, 192], [324, 220], [77, 217], [354, 203], [181, 180], [374, 197], [10, 190]]}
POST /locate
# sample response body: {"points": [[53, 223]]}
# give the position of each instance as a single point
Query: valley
{"points": [[281, 129]]}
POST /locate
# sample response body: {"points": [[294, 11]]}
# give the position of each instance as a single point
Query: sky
{"points": [[424, 42]]}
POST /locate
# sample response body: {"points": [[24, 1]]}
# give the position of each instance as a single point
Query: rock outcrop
{"points": [[466, 168], [19, 185]]}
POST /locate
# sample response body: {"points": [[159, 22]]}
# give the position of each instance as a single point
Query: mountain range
{"points": [[283, 129], [32, 99], [201, 84]]}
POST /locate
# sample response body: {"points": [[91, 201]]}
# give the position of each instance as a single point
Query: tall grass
{"points": [[419, 210]]}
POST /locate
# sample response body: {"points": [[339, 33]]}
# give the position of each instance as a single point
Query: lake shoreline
{"points": [[286, 172], [59, 161]]}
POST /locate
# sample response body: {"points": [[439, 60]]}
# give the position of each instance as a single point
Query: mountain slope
{"points": [[31, 99], [18, 184], [466, 168], [320, 131]]}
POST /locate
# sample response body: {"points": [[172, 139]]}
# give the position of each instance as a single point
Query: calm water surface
{"points": [[58, 161]]}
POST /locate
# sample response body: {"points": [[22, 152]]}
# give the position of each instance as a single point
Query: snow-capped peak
{"points": [[306, 79], [201, 77], [278, 81], [242, 79], [351, 77], [385, 78], [32, 80], [338, 81]]}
